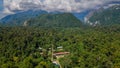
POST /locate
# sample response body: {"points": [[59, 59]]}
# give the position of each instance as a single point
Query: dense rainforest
{"points": [[89, 47]]}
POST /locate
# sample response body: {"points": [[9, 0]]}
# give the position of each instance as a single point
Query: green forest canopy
{"points": [[97, 47]]}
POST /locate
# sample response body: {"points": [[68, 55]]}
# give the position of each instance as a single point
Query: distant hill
{"points": [[19, 18], [54, 20], [108, 16], [81, 15]]}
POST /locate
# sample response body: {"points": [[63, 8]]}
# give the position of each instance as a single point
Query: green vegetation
{"points": [[19, 18], [31, 43], [42, 19], [107, 16], [55, 20], [97, 47]]}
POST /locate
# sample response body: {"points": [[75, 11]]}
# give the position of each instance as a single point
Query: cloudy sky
{"points": [[1, 5], [50, 5]]}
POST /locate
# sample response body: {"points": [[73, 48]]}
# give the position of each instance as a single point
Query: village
{"points": [[55, 55]]}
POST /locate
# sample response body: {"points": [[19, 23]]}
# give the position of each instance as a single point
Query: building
{"points": [[60, 54]]}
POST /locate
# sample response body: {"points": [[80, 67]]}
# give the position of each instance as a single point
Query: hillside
{"points": [[54, 20], [19, 18], [108, 16]]}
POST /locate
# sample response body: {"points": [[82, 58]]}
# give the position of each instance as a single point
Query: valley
{"points": [[42, 39]]}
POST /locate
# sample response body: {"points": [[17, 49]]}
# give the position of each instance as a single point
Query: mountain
{"points": [[104, 16], [19, 18], [54, 20], [81, 15], [41, 18]]}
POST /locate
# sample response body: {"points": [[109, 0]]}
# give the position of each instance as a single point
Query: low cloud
{"points": [[54, 5]]}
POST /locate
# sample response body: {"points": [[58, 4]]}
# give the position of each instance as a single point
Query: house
{"points": [[60, 48], [60, 54]]}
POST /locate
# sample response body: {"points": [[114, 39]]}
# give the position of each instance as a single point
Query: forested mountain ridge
{"points": [[42, 19], [19, 18], [54, 20], [102, 16], [105, 16]]}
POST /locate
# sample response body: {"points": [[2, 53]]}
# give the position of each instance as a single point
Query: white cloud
{"points": [[7, 11], [12, 4], [51, 5], [54, 5]]}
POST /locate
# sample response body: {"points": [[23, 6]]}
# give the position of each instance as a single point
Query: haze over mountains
{"points": [[106, 14], [102, 16], [19, 18]]}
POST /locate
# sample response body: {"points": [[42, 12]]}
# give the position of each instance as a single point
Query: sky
{"points": [[1, 8], [50, 5], [1, 5]]}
